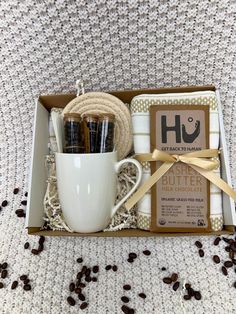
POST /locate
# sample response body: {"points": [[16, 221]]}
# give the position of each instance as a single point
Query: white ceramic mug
{"points": [[87, 187]]}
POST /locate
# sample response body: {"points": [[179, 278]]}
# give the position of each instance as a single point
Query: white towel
{"points": [[141, 133]]}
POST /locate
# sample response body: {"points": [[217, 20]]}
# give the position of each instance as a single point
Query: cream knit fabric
{"points": [[111, 45]]}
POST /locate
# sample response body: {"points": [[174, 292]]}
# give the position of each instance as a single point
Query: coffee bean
{"points": [[26, 245], [227, 249], [41, 240], [83, 305], [167, 280], [95, 269], [26, 194], [198, 244], [23, 277], [142, 295], [4, 203], [26, 281], [176, 286], [216, 259], [130, 260], [233, 247], [131, 311], [94, 279], [126, 287], [235, 284], [197, 295], [228, 264], [231, 254], [125, 299], [16, 191], [82, 285], [14, 285], [108, 267], [147, 252], [125, 309], [27, 287], [88, 279], [174, 277], [132, 255], [40, 248], [79, 260], [34, 251], [72, 287], [1, 285], [163, 268], [84, 268], [224, 270], [24, 203], [87, 272], [190, 292], [217, 241], [231, 241], [201, 253], [114, 268], [19, 211], [4, 265], [81, 296], [77, 290], [79, 275], [4, 274], [71, 301], [20, 215], [187, 286], [187, 297], [234, 261], [225, 240]]}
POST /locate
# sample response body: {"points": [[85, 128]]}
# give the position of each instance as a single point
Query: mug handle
{"points": [[117, 168]]}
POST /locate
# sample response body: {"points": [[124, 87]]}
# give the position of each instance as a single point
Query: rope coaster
{"points": [[98, 102]]}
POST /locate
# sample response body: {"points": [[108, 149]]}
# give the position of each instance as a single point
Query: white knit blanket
{"points": [[111, 45]]}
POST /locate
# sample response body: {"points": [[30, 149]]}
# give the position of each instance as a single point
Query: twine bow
{"points": [[198, 160]]}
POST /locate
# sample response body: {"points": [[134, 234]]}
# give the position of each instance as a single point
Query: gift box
{"points": [[38, 173]]}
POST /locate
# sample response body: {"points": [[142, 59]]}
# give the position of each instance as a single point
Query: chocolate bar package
{"points": [[180, 200]]}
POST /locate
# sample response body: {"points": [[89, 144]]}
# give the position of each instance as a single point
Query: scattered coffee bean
{"points": [[190, 292], [24, 203], [167, 280], [79, 275], [14, 285], [216, 259], [19, 211], [26, 245], [95, 269], [88, 279], [217, 241], [79, 260], [234, 261], [225, 240], [126, 287], [132, 255], [4, 265], [231, 254], [1, 285], [142, 295], [35, 252], [71, 301], [72, 287], [16, 191], [187, 297], [176, 286], [228, 264], [233, 247], [26, 281], [114, 268], [23, 277], [83, 305], [187, 285], [20, 215], [77, 290], [163, 268], [125, 299], [26, 194], [82, 285], [81, 296], [40, 248], [84, 268], [201, 253], [235, 284], [197, 295], [198, 244], [125, 309], [147, 252], [227, 249], [27, 287], [224, 270], [94, 279], [87, 272], [4, 274], [130, 260], [41, 240], [108, 267], [4, 203], [174, 277]]}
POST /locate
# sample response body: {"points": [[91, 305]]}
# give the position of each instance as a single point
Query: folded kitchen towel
{"points": [[141, 134]]}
